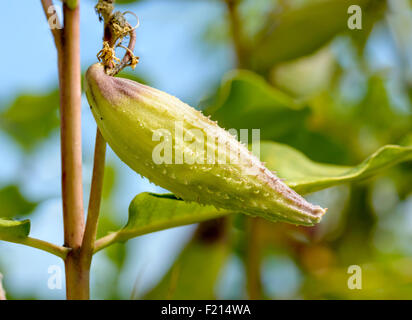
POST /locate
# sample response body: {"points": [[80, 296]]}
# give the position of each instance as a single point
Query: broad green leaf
{"points": [[13, 203], [150, 212], [297, 32], [246, 101], [14, 230], [31, 118], [305, 175], [193, 275], [196, 270]]}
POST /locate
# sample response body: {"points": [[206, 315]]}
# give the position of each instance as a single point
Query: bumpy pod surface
{"points": [[130, 114]]}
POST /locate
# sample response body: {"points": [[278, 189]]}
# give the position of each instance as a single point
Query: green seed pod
{"points": [[179, 149]]}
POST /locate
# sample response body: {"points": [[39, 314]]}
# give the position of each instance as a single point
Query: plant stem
{"points": [[90, 232], [67, 43], [43, 245], [105, 241], [253, 256], [89, 240], [236, 31], [57, 34], [88, 244], [77, 285]]}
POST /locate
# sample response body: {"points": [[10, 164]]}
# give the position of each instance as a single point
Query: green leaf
{"points": [[245, 100], [305, 175], [149, 212], [193, 275], [13, 203], [196, 270], [31, 118], [14, 230], [297, 32]]}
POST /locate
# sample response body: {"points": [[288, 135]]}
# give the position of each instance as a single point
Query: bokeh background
{"points": [[356, 85]]}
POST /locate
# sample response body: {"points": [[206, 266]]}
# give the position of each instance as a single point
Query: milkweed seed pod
{"points": [[179, 149]]}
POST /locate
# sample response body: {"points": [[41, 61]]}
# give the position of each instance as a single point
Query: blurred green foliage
{"points": [[327, 126], [30, 119], [149, 212], [328, 115], [13, 203], [297, 32], [246, 101], [190, 276]]}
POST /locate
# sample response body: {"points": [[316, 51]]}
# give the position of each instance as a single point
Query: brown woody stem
{"points": [[78, 240], [67, 43], [77, 286], [57, 34]]}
